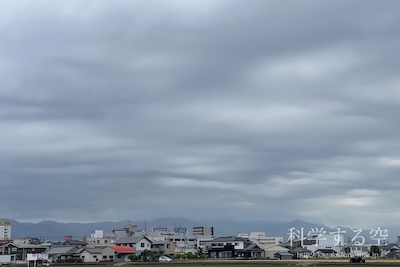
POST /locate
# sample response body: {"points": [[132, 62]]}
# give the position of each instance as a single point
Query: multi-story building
{"points": [[97, 234], [5, 230], [182, 242], [324, 245], [104, 241], [261, 239], [203, 230], [129, 230], [99, 240]]}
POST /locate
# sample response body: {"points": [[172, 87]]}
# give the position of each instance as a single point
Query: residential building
{"points": [[5, 230], [391, 251], [203, 231], [24, 240], [227, 247], [261, 239], [252, 251], [117, 253], [361, 250], [100, 241], [272, 249], [138, 243], [163, 247], [73, 242], [18, 252], [91, 254], [59, 253], [129, 230], [327, 245], [325, 253], [203, 242], [300, 253], [183, 242], [281, 255], [97, 234]]}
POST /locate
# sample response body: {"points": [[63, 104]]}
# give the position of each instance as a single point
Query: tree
{"points": [[375, 251], [199, 251], [190, 256], [147, 255], [133, 257], [200, 254], [346, 250]]}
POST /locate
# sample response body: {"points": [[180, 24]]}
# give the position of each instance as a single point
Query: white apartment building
{"points": [[203, 230], [328, 243], [261, 239], [97, 234], [184, 243], [5, 230]]}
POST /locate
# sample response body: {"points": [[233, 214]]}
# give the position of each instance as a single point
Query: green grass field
{"points": [[248, 263], [269, 263]]}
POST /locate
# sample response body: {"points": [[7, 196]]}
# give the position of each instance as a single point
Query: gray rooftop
{"points": [[130, 240], [62, 250], [228, 239], [94, 250]]}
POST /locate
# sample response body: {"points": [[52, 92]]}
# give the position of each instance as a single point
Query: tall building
{"points": [[203, 230], [261, 239], [97, 234], [5, 230]]}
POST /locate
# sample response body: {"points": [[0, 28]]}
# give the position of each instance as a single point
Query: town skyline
{"points": [[222, 227]]}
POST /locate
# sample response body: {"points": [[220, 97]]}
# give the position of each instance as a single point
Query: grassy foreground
{"points": [[268, 263]]}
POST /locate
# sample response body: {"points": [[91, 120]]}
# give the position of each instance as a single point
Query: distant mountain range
{"points": [[51, 230]]}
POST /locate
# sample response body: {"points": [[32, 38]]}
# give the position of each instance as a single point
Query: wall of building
{"points": [[5, 230], [261, 238], [203, 230], [99, 242]]}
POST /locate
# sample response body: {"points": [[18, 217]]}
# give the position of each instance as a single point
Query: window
{"points": [[104, 257], [106, 241], [94, 257], [167, 245], [142, 245]]}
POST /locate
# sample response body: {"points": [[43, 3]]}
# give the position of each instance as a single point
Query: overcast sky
{"points": [[247, 110]]}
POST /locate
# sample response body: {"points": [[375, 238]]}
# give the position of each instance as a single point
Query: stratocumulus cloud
{"points": [[137, 110]]}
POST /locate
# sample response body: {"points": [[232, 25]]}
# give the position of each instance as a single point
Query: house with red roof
{"points": [[139, 243], [117, 253]]}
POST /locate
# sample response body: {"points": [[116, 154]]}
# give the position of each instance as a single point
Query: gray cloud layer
{"points": [[203, 109]]}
